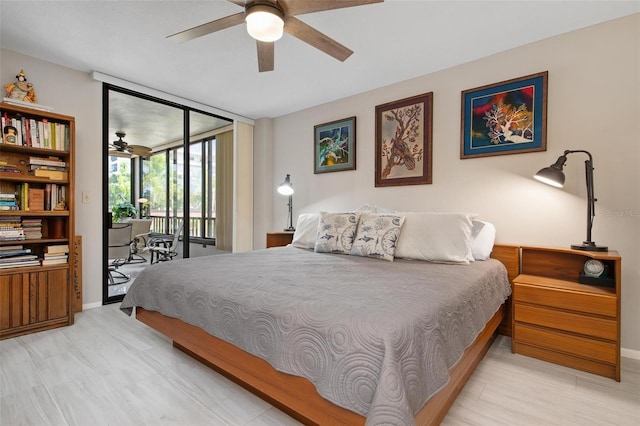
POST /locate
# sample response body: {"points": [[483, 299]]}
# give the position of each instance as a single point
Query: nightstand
{"points": [[559, 319], [279, 238]]}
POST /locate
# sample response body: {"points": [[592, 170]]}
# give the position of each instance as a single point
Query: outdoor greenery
{"points": [[156, 176], [122, 210]]}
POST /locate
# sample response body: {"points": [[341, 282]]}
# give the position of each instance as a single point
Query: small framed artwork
{"points": [[509, 117], [334, 146], [403, 141]]}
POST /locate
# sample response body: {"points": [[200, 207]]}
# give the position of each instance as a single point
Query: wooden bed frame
{"points": [[297, 396]]}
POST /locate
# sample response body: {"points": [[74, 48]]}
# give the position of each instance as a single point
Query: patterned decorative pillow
{"points": [[377, 235], [336, 232]]}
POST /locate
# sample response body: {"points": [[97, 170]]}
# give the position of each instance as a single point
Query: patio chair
{"points": [[163, 248], [119, 250], [140, 230]]}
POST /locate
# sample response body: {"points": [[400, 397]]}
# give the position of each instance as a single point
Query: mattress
{"points": [[373, 336]]}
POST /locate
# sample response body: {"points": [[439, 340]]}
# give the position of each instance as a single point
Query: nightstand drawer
{"points": [[576, 323], [567, 343], [562, 299]]}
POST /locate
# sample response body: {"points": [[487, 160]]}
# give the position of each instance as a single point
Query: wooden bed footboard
{"points": [[297, 396]]}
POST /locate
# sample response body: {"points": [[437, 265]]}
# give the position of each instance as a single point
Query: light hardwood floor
{"points": [[109, 369]]}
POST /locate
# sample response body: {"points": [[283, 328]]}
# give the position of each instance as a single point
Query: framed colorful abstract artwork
{"points": [[334, 146], [403, 141], [509, 117]]}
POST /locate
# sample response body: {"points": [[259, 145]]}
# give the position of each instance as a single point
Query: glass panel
{"points": [[119, 186], [154, 189], [195, 190], [202, 182], [176, 188]]}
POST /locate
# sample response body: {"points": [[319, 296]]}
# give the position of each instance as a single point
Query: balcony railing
{"points": [[200, 228]]}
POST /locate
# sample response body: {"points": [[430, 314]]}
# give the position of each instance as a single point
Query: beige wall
{"points": [[593, 104]]}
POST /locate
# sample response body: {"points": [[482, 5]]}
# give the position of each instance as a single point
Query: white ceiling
{"points": [[393, 41]]}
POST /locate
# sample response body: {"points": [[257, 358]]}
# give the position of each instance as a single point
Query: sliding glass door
{"points": [[160, 174]]}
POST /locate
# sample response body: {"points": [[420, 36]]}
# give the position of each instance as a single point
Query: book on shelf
{"points": [[36, 199], [56, 255], [20, 264], [47, 161], [46, 262], [57, 248], [33, 167], [18, 259], [11, 248], [51, 174], [9, 169], [10, 220], [12, 253], [12, 232]]}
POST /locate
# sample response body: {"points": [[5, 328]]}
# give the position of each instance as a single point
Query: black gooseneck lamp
{"points": [[285, 188], [554, 176]]}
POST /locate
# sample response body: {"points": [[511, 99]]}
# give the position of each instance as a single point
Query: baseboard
{"points": [[91, 305], [629, 353]]}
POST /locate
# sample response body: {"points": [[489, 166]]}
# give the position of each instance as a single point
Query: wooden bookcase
{"points": [[39, 297], [559, 319]]}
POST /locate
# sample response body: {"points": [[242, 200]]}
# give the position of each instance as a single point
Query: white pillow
{"points": [[364, 208], [306, 230], [483, 236], [379, 209], [436, 237], [336, 232], [377, 235]]}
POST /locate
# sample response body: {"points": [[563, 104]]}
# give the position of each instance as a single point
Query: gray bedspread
{"points": [[373, 336]]}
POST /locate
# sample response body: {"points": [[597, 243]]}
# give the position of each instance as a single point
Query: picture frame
{"points": [[509, 117], [404, 141], [334, 146]]}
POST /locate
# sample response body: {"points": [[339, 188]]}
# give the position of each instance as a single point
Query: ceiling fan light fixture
{"points": [[265, 22]]}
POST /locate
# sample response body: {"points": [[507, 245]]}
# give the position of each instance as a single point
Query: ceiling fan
{"points": [[123, 147], [267, 19]]}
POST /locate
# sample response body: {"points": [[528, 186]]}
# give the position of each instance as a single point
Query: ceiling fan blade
{"points": [[265, 55], [300, 7], [208, 28], [139, 150], [240, 3], [115, 152], [315, 38]]}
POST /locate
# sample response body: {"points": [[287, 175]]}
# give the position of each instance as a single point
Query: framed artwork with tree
{"points": [[334, 146], [403, 141], [509, 117]]}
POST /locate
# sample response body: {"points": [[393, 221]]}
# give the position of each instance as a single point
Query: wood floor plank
{"points": [[77, 375]]}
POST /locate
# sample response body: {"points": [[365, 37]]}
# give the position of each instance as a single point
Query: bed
{"points": [[329, 338]]}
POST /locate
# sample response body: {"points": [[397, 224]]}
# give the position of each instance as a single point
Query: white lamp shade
{"points": [[285, 188], [264, 23]]}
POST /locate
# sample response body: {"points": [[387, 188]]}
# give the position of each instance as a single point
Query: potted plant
{"points": [[122, 210]]}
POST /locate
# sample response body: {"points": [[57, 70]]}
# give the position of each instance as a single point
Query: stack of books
{"points": [[8, 201], [17, 257], [32, 228], [52, 167], [7, 169], [56, 254], [11, 228]]}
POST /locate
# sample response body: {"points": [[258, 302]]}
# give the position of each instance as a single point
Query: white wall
{"points": [[593, 104], [74, 93]]}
